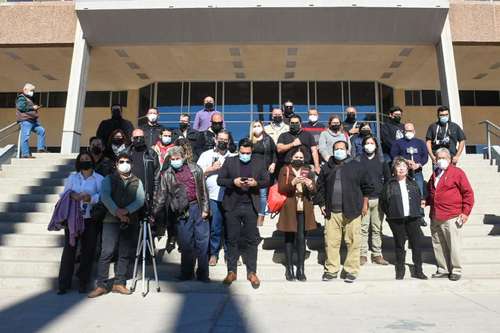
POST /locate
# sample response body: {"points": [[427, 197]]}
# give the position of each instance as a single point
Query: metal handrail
{"points": [[5, 129], [490, 127]]}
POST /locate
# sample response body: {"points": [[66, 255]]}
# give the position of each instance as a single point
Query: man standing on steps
{"points": [[242, 177], [451, 198], [152, 129], [343, 188], [27, 118]]}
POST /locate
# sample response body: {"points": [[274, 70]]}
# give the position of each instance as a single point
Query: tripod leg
{"points": [[136, 263], [144, 243], [153, 256]]}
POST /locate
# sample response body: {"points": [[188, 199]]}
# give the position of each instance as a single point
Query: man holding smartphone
{"points": [[242, 176], [27, 117]]}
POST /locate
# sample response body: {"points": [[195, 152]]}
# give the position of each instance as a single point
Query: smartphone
{"points": [[304, 173]]}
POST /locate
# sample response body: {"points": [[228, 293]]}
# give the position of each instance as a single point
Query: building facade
{"points": [[84, 56]]}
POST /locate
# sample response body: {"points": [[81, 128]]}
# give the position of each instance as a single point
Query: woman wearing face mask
{"points": [[296, 180], [162, 146], [85, 187], [118, 143], [378, 172], [356, 140], [265, 149], [401, 201]]}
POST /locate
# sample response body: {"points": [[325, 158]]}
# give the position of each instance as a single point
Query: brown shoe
{"points": [[363, 260], [99, 291], [379, 260], [254, 280], [230, 278], [212, 261], [120, 289], [260, 221]]}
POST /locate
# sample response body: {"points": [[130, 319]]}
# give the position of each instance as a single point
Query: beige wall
{"points": [[422, 116], [52, 119]]}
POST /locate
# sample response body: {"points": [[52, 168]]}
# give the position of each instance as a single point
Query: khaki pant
{"points": [[447, 243], [336, 228], [375, 217]]}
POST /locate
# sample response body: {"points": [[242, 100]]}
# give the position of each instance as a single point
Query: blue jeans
{"points": [[217, 239], [193, 235], [419, 178], [263, 201], [26, 128]]}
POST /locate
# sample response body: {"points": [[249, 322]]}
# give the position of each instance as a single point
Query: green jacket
{"points": [[25, 109]]}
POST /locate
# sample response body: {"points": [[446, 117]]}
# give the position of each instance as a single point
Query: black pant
{"points": [[299, 237], [114, 237], [88, 243], [408, 227], [242, 222]]}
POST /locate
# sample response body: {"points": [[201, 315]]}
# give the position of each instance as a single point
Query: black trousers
{"points": [[125, 240], [88, 242], [401, 229], [242, 222], [298, 238]]}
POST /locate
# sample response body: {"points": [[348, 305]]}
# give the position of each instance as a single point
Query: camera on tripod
{"points": [[444, 142]]}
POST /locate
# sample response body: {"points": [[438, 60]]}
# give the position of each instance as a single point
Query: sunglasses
{"points": [[123, 162]]}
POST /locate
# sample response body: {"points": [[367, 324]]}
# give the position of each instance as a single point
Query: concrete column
{"points": [[448, 74], [73, 114]]}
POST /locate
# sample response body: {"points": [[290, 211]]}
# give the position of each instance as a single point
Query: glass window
{"points": [[200, 90], [96, 99], [329, 101], [363, 94], [386, 96], [438, 95], [239, 130], [266, 96], [57, 99], [466, 97], [429, 98], [168, 101], [412, 98], [8, 100], [487, 98], [144, 101], [237, 100], [119, 97], [297, 93], [312, 93]]}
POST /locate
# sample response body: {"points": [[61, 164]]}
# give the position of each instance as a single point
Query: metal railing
{"points": [[10, 130], [491, 129]]}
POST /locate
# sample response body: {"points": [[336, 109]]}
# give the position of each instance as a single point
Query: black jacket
{"points": [[230, 170], [390, 200], [389, 133], [191, 135], [106, 127], [171, 196], [206, 141], [378, 172], [266, 150], [151, 133], [355, 185]]}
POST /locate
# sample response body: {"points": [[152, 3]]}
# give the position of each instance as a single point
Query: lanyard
{"points": [[437, 132]]}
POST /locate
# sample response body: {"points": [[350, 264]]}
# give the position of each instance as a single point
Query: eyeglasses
{"points": [[123, 162]]}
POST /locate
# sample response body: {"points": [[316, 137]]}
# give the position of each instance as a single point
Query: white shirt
{"points": [[438, 178], [206, 159], [92, 186], [404, 197]]}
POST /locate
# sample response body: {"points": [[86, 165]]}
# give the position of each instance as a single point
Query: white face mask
{"points": [[166, 139], [313, 118], [257, 131], [30, 93], [443, 164], [152, 117], [124, 167], [409, 135], [370, 148]]}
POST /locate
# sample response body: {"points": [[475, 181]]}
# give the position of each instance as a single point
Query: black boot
{"points": [[289, 275], [400, 272], [301, 254]]}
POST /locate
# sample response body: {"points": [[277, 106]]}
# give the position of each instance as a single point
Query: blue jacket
{"points": [[400, 148]]}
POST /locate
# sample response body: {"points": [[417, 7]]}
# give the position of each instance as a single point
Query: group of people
{"points": [[211, 194]]}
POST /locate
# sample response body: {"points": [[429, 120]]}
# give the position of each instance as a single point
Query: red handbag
{"points": [[275, 199]]}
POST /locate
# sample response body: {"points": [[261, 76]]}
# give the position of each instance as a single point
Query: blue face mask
{"points": [[444, 119], [340, 154], [176, 164], [245, 158]]}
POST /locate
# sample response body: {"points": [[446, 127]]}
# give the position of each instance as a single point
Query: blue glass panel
{"points": [[239, 130], [239, 116]]}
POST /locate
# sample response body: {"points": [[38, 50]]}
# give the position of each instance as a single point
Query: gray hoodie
{"points": [[326, 141]]}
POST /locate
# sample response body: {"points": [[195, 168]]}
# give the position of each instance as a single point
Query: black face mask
{"points": [[183, 126], [96, 150], [397, 119], [277, 120], [294, 128], [297, 163], [116, 113], [222, 145], [334, 128], [351, 117], [365, 132], [139, 142], [86, 165], [288, 110], [216, 127], [209, 106], [117, 142]]}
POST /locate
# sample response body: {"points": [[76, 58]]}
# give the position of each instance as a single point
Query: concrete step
{"points": [[32, 198], [38, 174], [41, 162], [7, 168], [40, 207], [33, 217], [33, 182], [23, 228], [51, 239], [22, 188]]}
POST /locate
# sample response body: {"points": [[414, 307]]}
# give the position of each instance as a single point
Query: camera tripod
{"points": [[144, 243]]}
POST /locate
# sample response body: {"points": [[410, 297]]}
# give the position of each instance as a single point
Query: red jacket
{"points": [[453, 195]]}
